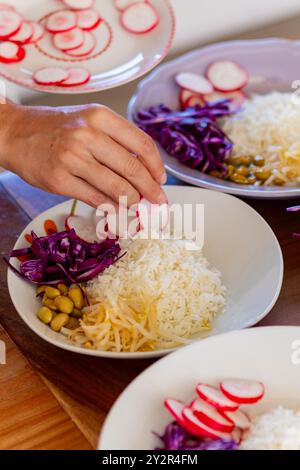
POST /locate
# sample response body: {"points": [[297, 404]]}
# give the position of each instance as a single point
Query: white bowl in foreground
{"points": [[237, 241]]}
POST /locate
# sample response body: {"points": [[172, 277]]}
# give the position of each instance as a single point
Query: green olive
{"points": [[230, 171], [238, 179], [73, 323], [262, 174], [45, 315], [77, 313], [242, 170], [241, 160], [48, 303], [251, 179], [278, 181], [63, 289], [51, 292], [258, 160], [59, 321], [76, 296], [64, 304]]}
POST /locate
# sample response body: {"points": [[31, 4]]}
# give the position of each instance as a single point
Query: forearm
{"points": [[8, 114]]}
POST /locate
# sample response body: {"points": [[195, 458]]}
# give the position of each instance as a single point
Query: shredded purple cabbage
{"points": [[192, 136], [63, 257], [294, 209], [177, 438]]}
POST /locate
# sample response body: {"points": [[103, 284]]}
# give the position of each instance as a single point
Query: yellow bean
{"points": [[258, 160], [251, 179], [45, 315], [63, 288], [64, 304], [76, 296], [73, 323], [239, 179], [88, 345], [52, 292], [59, 321], [77, 313], [242, 170], [262, 174], [41, 290], [48, 303], [241, 160]]}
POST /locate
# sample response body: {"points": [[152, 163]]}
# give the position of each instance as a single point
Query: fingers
{"points": [[134, 140], [122, 162], [106, 181]]}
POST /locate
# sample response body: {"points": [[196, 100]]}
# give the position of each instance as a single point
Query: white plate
{"points": [[263, 354], [237, 241], [272, 65], [119, 57]]}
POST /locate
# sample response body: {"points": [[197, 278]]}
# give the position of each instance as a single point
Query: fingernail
{"points": [[163, 178], [162, 198]]}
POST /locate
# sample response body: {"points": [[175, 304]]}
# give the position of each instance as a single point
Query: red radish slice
{"points": [[79, 4], [211, 417], [176, 407], [194, 100], [50, 76], [24, 35], [61, 21], [89, 44], [77, 76], [237, 435], [84, 227], [88, 19], [10, 23], [153, 216], [185, 95], [121, 5], [227, 76], [69, 40], [215, 397], [243, 391], [11, 52], [193, 82], [140, 18], [238, 418], [200, 429], [237, 99], [38, 32]]}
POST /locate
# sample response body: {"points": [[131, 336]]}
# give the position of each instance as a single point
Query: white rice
{"points": [[278, 429]]}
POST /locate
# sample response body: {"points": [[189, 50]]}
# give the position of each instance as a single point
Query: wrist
{"points": [[9, 113]]}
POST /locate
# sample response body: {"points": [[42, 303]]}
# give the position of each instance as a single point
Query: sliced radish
{"points": [[69, 40], [121, 5], [193, 82], [194, 100], [77, 76], [88, 19], [238, 418], [215, 397], [226, 75], [176, 407], [11, 52], [79, 4], [61, 21], [140, 18], [200, 429], [38, 32], [10, 23], [184, 96], [24, 35], [210, 416], [89, 44], [237, 435], [243, 391], [84, 227], [50, 75], [153, 216], [237, 99]]}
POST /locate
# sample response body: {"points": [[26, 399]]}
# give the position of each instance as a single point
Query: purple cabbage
{"points": [[177, 438], [192, 136], [63, 257]]}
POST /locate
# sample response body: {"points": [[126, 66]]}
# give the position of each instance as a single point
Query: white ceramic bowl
{"points": [[237, 241], [264, 354]]}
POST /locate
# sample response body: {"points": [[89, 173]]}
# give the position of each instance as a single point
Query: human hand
{"points": [[83, 152]]}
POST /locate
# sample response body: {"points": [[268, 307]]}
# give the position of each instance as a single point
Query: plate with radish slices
{"points": [[107, 42], [223, 117], [236, 391]]}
